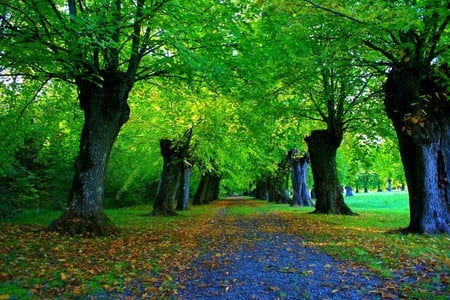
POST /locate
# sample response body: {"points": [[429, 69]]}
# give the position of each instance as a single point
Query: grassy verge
{"points": [[37, 264]]}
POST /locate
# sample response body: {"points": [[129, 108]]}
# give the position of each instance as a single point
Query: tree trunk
{"points": [[105, 111], [169, 181], [261, 189], [417, 104], [299, 169], [322, 146], [175, 155], [183, 193], [208, 189], [200, 195], [389, 185]]}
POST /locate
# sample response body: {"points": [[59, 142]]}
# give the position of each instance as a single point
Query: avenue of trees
{"points": [[119, 102]]}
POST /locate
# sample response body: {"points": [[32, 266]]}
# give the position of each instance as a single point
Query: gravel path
{"points": [[250, 263]]}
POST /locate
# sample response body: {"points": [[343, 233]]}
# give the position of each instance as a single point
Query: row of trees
{"points": [[249, 79]]}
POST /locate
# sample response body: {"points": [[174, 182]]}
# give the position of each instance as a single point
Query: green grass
{"points": [[368, 238], [392, 202], [384, 210]]}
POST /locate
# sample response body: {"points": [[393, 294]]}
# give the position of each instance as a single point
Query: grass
{"points": [[38, 264]]}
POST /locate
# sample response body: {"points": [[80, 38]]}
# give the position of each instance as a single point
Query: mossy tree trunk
{"points": [[105, 108]]}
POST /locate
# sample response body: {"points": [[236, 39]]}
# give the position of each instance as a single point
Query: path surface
{"points": [[255, 259]]}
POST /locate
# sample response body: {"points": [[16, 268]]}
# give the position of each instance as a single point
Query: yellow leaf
{"points": [[63, 276], [4, 297]]}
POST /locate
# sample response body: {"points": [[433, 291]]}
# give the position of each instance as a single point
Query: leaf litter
{"points": [[217, 255]]}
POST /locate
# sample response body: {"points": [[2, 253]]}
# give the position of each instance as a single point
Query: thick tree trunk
{"points": [[169, 181], [183, 193], [299, 169], [175, 155], [322, 146], [420, 112], [105, 111]]}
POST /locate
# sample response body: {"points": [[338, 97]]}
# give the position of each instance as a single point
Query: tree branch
{"points": [[334, 12], [36, 94]]}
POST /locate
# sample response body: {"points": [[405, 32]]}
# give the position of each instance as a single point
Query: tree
{"points": [[103, 48], [175, 155], [315, 83], [414, 51], [208, 188]]}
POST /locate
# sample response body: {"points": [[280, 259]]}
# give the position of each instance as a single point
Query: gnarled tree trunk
{"points": [[322, 147], [175, 155], [417, 104], [105, 111], [169, 181]]}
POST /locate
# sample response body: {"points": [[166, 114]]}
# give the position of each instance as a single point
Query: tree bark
{"points": [[175, 155], [416, 102], [299, 169], [105, 111], [169, 181], [322, 147]]}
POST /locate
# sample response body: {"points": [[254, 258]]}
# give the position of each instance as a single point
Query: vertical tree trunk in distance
{"points": [[261, 189], [170, 180], [208, 189], [322, 147], [416, 100], [183, 191], [277, 184], [105, 111], [175, 155], [299, 168]]}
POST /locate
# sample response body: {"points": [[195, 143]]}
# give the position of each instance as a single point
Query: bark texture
{"points": [[175, 176], [416, 100], [105, 108], [322, 146], [169, 181]]}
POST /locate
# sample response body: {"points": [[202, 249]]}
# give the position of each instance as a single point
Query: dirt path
{"points": [[253, 258]]}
